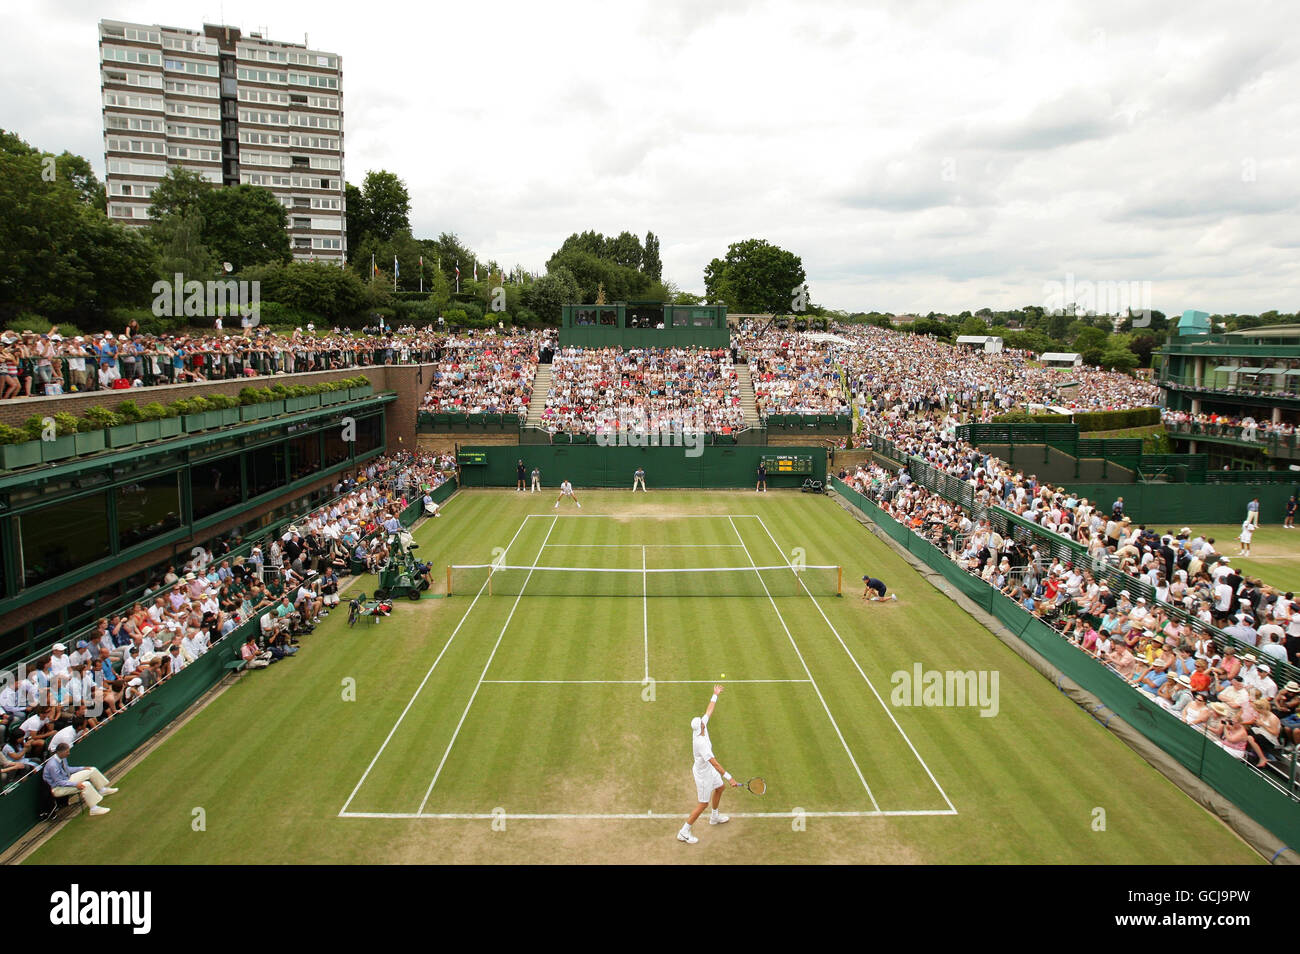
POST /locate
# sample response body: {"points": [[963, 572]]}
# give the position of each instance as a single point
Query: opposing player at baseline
{"points": [[566, 490], [709, 775]]}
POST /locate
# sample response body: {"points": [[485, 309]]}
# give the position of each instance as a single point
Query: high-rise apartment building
{"points": [[234, 108]]}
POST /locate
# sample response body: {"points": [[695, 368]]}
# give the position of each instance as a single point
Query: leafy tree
{"points": [[1090, 343], [61, 256], [439, 289], [358, 223], [624, 250], [546, 295], [1117, 358], [181, 192], [651, 264], [755, 276], [973, 326], [621, 282], [245, 225], [179, 240], [386, 205], [336, 294]]}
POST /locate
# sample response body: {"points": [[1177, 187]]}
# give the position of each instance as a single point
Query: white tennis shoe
{"points": [[716, 819], [685, 835]]}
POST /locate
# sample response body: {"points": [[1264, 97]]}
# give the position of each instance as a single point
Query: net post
{"points": [[839, 581], [449, 579]]}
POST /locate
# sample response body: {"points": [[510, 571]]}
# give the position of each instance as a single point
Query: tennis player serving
{"points": [[709, 775]]}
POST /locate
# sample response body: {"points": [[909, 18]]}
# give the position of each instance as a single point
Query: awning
{"points": [[1294, 372], [1226, 368], [1276, 369], [1244, 369]]}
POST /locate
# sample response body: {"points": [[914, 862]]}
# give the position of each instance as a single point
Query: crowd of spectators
{"points": [[41, 364], [485, 373], [289, 582], [1229, 694], [600, 390], [1246, 428], [793, 372]]}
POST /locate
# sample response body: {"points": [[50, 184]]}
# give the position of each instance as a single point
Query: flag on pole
{"points": [[421, 274], [458, 278], [396, 269], [374, 269], [476, 270]]}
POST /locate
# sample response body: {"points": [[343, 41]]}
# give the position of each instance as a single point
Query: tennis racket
{"points": [[756, 785]]}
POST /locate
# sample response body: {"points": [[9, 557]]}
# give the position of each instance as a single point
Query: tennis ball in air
{"points": [[724, 675]]}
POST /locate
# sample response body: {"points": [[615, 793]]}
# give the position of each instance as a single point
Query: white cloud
{"points": [[917, 155]]}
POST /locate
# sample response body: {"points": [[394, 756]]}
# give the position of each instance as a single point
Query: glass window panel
{"points": [[214, 485], [63, 537], [147, 508]]}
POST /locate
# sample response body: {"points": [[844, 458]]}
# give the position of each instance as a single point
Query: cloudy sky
{"points": [[918, 155]]}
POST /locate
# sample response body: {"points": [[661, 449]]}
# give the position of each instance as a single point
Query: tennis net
{"points": [[758, 581]]}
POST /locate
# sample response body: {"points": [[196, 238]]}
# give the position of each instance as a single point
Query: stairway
{"points": [[748, 402], [541, 387]]}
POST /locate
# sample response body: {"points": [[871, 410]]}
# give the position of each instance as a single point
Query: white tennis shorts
{"points": [[705, 785]]}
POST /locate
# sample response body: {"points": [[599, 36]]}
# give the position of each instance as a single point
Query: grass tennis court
{"points": [[544, 723]]}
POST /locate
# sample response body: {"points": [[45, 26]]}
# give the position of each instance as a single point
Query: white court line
{"points": [[645, 546], [630, 816], [523, 523], [854, 660], [649, 516], [479, 684], [631, 682], [816, 688], [645, 612]]}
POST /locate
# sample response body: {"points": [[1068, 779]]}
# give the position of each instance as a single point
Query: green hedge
{"points": [[1116, 420], [1088, 420]]}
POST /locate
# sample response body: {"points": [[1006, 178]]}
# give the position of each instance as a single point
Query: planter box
{"points": [[212, 419], [253, 412], [229, 416], [124, 435], [26, 454], [295, 404], [333, 397], [59, 448], [276, 408], [149, 430], [355, 394], [169, 427], [193, 423], [91, 442], [310, 401]]}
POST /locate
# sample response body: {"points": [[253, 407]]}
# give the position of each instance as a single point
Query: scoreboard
{"points": [[789, 464], [472, 458]]}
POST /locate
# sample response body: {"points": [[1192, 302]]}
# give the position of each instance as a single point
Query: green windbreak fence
{"points": [[1170, 506], [1253, 793], [591, 465], [121, 735]]}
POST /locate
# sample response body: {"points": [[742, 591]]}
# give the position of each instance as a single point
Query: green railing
{"points": [[809, 423], [1273, 445], [487, 422], [1267, 800]]}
